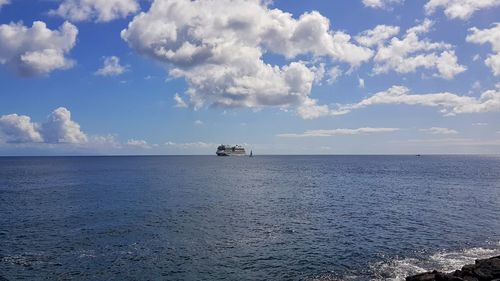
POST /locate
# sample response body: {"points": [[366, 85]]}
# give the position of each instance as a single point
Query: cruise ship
{"points": [[229, 150]]}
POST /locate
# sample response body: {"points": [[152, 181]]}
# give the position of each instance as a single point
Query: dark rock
{"points": [[468, 268], [427, 276], [482, 270]]}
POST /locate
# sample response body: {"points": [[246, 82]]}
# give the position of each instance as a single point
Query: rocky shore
{"points": [[482, 270]]}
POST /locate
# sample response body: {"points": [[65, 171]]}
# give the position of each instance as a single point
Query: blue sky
{"points": [[281, 77]]}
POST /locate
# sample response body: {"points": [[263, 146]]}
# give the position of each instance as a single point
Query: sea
{"points": [[335, 217]]}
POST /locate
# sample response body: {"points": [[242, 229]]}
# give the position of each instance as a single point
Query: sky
{"points": [[119, 77]]}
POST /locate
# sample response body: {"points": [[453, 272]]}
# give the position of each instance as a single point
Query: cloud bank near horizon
{"points": [[58, 128]]}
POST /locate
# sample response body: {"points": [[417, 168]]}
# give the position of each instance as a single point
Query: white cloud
{"points": [[319, 72], [309, 34], [339, 132], [439, 131], [59, 133], [480, 124], [461, 9], [411, 52], [191, 148], [452, 142], [381, 4], [447, 65], [179, 102], [310, 109], [191, 145], [198, 122], [111, 67], [108, 141], [138, 144], [96, 10], [448, 103], [19, 129], [333, 74], [493, 61], [218, 48], [361, 83], [3, 3], [492, 36], [36, 50], [59, 128], [377, 36]]}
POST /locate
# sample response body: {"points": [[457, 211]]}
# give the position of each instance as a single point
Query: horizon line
{"points": [[339, 154]]}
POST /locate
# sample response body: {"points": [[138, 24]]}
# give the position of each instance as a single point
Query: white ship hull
{"points": [[228, 150]]}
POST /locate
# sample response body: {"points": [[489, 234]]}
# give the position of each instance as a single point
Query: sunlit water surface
{"points": [[240, 218]]}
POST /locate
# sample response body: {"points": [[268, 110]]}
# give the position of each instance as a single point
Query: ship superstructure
{"points": [[229, 150]]}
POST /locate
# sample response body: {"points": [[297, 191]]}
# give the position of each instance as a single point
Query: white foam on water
{"points": [[399, 268], [455, 260]]}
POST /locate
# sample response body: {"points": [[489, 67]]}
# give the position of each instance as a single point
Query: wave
{"points": [[398, 268]]}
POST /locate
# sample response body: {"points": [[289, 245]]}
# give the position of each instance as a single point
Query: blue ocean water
{"points": [[240, 218]]}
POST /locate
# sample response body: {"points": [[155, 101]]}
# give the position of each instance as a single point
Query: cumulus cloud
{"points": [[310, 109], [459, 9], [381, 4], [448, 66], [439, 131], [378, 35], [59, 128], [411, 52], [448, 103], [492, 36], [111, 67], [36, 50], [218, 47], [339, 132], [60, 132], [19, 129], [96, 10]]}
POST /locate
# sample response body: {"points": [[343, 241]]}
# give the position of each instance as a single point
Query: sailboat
{"points": [[251, 154]]}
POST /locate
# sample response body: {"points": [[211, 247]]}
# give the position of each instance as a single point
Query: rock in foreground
{"points": [[482, 270]]}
